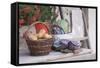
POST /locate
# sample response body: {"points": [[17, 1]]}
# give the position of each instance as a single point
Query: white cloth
{"points": [[77, 23]]}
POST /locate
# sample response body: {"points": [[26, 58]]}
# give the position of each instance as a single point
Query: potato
{"points": [[47, 36], [40, 35], [42, 31], [34, 38]]}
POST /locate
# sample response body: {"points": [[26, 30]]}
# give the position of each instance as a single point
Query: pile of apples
{"points": [[42, 34]]}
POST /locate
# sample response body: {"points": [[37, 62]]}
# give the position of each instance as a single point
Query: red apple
{"points": [[21, 22]]}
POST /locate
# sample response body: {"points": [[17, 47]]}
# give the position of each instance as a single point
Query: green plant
{"points": [[46, 13], [41, 13]]}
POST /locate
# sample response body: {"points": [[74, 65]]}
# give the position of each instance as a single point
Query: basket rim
{"points": [[39, 39]]}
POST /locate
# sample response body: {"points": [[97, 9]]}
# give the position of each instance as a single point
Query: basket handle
{"points": [[26, 32]]}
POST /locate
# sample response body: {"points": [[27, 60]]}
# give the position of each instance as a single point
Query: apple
{"points": [[21, 22]]}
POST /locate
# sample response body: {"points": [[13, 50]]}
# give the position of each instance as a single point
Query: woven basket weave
{"points": [[39, 47]]}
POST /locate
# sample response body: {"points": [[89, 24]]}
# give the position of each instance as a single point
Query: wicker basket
{"points": [[39, 47]]}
